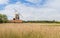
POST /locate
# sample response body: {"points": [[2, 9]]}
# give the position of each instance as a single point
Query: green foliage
{"points": [[3, 18], [41, 21]]}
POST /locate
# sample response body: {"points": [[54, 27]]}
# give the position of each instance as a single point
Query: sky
{"points": [[31, 9]]}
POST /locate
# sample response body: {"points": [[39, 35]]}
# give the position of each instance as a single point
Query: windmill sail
{"points": [[16, 15]]}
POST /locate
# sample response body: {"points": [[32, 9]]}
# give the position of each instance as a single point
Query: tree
{"points": [[3, 18]]}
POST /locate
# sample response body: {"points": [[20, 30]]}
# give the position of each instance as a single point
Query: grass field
{"points": [[30, 30]]}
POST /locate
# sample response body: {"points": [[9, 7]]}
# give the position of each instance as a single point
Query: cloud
{"points": [[34, 1], [53, 4], [38, 3], [49, 12], [4, 1]]}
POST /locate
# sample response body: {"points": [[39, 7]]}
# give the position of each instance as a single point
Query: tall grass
{"points": [[29, 31], [16, 34]]}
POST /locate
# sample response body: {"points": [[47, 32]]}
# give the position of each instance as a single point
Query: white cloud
{"points": [[50, 12], [54, 4], [4, 1], [34, 1]]}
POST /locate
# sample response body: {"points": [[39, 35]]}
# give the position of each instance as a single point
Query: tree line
{"points": [[46, 21]]}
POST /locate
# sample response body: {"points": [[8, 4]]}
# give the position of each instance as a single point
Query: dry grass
{"points": [[29, 30]]}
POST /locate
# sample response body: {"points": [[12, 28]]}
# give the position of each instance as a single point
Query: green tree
{"points": [[3, 18]]}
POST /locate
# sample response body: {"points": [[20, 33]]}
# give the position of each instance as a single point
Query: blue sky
{"points": [[32, 9], [27, 3]]}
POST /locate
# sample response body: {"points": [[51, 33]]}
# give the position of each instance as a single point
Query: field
{"points": [[30, 30]]}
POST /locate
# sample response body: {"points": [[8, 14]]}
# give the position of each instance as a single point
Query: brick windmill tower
{"points": [[17, 19]]}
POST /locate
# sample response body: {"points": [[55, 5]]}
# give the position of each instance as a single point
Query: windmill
{"points": [[17, 19]]}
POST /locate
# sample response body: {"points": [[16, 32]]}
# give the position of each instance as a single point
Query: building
{"points": [[16, 19]]}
